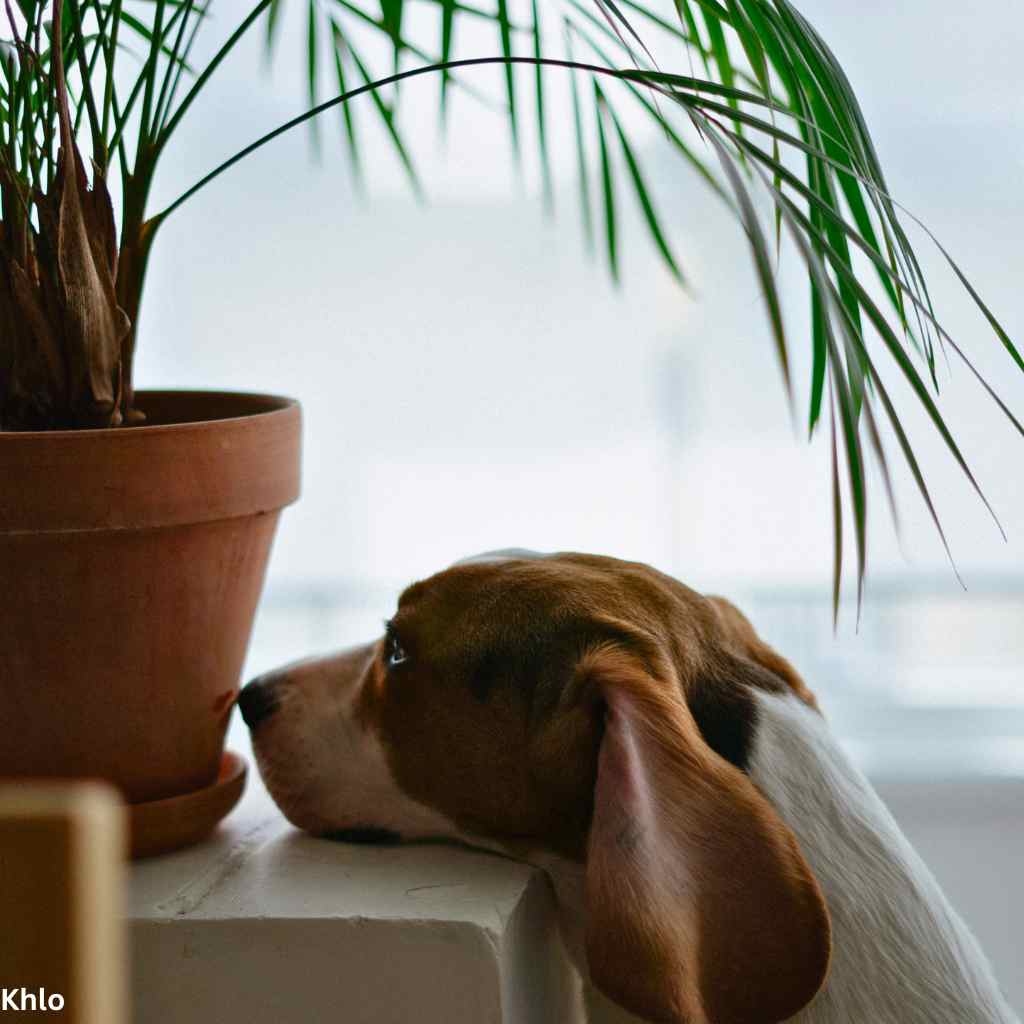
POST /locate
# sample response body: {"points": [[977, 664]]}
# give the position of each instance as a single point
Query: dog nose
{"points": [[258, 700]]}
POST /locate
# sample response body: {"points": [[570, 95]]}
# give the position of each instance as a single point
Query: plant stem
{"points": [[197, 86], [109, 53], [572, 65], [137, 236]]}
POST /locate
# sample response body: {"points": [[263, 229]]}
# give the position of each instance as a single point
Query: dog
{"points": [[715, 856]]}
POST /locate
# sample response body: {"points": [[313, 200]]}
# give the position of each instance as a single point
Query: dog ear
{"points": [[699, 907], [739, 634]]}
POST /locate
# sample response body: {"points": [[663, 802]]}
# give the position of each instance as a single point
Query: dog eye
{"points": [[394, 652]]}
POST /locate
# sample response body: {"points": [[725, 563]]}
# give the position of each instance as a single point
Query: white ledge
{"points": [[264, 924]]}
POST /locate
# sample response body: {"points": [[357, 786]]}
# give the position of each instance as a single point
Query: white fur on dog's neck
{"points": [[901, 954]]}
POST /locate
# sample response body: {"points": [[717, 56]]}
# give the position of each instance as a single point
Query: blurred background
{"points": [[472, 380]]}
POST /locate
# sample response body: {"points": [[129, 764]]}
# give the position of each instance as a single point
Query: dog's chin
{"points": [[290, 784], [291, 794], [333, 779]]}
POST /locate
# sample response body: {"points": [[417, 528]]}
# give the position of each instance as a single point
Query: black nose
{"points": [[258, 700]]}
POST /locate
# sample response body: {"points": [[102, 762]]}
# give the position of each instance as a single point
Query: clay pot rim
{"points": [[272, 405], [166, 474]]}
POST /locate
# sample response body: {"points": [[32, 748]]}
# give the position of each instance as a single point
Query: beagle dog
{"points": [[715, 856]]}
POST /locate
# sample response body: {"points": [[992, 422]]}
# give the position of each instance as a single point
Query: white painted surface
{"points": [[264, 925]]}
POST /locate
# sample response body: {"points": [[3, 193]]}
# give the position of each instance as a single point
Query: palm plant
{"points": [[754, 101]]}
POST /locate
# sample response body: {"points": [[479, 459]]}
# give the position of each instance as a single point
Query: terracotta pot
{"points": [[131, 562]]}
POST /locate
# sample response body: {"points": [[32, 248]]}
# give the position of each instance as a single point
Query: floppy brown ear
{"points": [[700, 908]]}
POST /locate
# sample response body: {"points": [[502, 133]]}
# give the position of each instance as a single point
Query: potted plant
{"points": [[135, 526], [135, 529]]}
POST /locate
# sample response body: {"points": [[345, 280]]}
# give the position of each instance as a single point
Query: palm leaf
{"points": [[768, 78], [505, 33], [313, 70], [581, 151], [542, 133], [644, 198], [607, 185]]}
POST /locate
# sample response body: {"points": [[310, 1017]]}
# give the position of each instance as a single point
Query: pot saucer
{"points": [[159, 826]]}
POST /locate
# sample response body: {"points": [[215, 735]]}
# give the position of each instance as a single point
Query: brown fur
{"points": [[492, 646], [600, 710], [740, 635], [690, 869]]}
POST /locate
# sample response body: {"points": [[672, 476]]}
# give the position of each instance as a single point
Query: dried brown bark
{"points": [[61, 327]]}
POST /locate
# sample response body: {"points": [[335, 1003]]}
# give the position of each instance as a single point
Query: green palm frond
{"points": [[745, 92], [777, 114]]}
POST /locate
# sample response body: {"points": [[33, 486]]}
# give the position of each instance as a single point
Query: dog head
{"points": [[583, 707]]}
